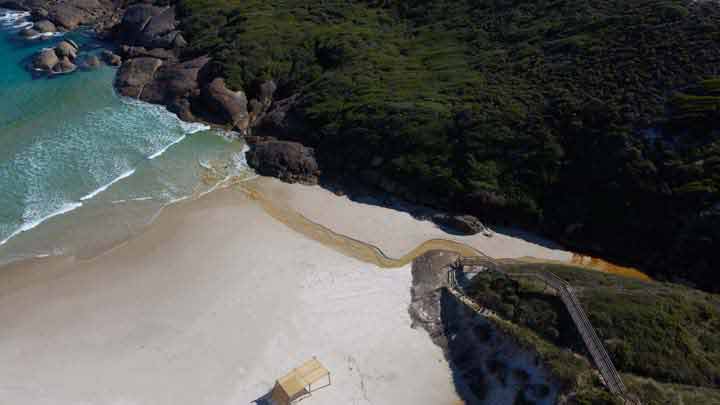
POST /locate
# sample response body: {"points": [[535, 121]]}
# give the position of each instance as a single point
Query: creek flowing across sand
{"points": [[224, 293], [386, 227]]}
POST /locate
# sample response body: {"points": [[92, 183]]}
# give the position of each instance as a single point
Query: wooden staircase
{"points": [[610, 376]]}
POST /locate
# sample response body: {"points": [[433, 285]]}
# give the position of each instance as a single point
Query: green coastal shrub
{"points": [[663, 331], [551, 113]]}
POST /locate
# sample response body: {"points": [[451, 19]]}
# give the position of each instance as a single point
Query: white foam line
{"points": [[47, 34], [13, 16], [133, 199], [105, 187], [163, 150], [177, 200], [30, 225], [193, 127]]}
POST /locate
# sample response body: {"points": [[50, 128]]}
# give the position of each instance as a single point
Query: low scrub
{"points": [[557, 114], [660, 331]]}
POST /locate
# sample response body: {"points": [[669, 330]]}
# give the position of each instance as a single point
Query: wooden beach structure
{"points": [[300, 383]]}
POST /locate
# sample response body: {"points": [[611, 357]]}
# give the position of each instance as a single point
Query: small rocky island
{"points": [[58, 60]]}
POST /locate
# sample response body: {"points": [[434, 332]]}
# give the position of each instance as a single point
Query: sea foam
{"points": [[107, 186], [24, 24], [163, 150], [85, 154], [10, 17], [46, 35], [67, 207]]}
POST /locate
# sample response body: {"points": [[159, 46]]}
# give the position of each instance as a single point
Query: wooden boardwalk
{"points": [[594, 344]]}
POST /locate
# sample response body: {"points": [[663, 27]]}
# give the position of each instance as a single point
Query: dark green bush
{"points": [[544, 113]]}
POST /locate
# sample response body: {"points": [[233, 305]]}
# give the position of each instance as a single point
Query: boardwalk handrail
{"points": [[594, 344]]}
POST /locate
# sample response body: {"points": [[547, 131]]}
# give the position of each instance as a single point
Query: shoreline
{"points": [[210, 305], [191, 119], [60, 191], [219, 296], [375, 241], [402, 238]]}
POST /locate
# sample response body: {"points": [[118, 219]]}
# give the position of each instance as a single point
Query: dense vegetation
{"points": [[663, 332], [593, 120], [575, 376]]}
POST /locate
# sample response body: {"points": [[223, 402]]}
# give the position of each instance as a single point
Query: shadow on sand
{"points": [[377, 198], [263, 400]]}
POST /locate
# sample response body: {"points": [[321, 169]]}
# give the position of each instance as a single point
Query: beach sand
{"points": [[399, 235], [395, 232], [209, 306], [226, 293]]}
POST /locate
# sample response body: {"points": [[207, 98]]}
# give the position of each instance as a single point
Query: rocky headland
{"points": [[154, 67], [537, 127], [58, 60]]}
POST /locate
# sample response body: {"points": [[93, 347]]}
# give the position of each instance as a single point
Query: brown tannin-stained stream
{"points": [[607, 267], [372, 254]]}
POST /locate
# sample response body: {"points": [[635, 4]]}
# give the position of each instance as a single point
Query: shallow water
{"points": [[82, 168]]}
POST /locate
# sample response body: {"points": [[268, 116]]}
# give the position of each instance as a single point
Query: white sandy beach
{"points": [[218, 298], [209, 306], [394, 232]]}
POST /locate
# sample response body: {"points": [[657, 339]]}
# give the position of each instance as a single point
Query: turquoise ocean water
{"points": [[82, 168]]}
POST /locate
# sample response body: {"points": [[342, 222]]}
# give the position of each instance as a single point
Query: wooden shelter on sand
{"points": [[298, 384]]}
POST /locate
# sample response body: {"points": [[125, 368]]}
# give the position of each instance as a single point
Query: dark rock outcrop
{"points": [[111, 58], [288, 161], [66, 15], [65, 49], [71, 14], [225, 105], [466, 224], [281, 120], [29, 33], [129, 52], [151, 70], [64, 66], [175, 85], [58, 60], [14, 5], [46, 60], [179, 41], [160, 31], [149, 26], [44, 26], [74, 13], [39, 14], [135, 74], [92, 62], [171, 83]]}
